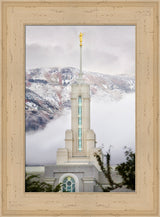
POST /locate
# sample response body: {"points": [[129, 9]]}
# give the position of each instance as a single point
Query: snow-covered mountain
{"points": [[48, 91]]}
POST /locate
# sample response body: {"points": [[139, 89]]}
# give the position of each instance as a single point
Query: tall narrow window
{"points": [[79, 123]]}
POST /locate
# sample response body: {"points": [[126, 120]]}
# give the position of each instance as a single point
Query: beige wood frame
{"points": [[17, 14]]}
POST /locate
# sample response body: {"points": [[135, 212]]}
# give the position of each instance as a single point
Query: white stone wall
{"points": [[70, 154]]}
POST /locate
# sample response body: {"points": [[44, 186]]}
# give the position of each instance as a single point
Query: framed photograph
{"points": [[80, 82], [71, 85]]}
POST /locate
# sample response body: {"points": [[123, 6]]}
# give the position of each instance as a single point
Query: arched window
{"points": [[68, 184], [74, 182]]}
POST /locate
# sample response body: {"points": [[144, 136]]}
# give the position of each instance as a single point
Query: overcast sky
{"points": [[106, 49]]}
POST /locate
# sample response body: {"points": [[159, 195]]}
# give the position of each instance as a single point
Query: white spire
{"points": [[80, 79]]}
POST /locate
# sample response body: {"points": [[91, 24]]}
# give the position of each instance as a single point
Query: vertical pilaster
{"points": [[80, 91]]}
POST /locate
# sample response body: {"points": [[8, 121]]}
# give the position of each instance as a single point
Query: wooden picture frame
{"points": [[15, 15]]}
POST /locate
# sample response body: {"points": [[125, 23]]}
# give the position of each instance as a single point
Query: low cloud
{"points": [[113, 123]]}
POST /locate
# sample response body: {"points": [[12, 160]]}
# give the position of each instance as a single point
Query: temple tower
{"points": [[80, 140]]}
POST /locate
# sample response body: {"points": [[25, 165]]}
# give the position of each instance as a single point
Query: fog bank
{"points": [[112, 122]]}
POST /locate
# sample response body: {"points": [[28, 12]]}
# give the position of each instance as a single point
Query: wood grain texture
{"points": [[17, 14], [0, 109]]}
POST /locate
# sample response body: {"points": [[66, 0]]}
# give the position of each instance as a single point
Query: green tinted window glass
{"points": [[69, 184]]}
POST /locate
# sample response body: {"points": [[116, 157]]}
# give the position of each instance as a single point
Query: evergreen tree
{"points": [[127, 169], [32, 184]]}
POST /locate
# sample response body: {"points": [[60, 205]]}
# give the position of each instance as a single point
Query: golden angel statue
{"points": [[80, 37]]}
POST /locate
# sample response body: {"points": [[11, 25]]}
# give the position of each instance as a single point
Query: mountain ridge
{"points": [[48, 91]]}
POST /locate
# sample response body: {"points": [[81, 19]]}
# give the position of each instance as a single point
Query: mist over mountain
{"points": [[48, 92]]}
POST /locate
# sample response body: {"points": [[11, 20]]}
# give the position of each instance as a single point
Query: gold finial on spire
{"points": [[80, 37]]}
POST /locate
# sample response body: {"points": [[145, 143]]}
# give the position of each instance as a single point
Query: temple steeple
{"points": [[80, 141]]}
